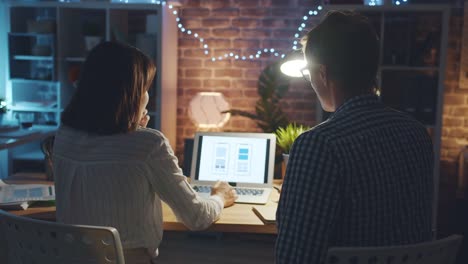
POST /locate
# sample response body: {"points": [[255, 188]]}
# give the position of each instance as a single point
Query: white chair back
{"points": [[34, 241], [442, 251]]}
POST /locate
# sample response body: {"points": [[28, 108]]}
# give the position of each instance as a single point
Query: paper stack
{"points": [[16, 196]]}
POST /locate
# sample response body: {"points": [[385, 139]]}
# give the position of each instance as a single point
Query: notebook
{"points": [[245, 160], [266, 213]]}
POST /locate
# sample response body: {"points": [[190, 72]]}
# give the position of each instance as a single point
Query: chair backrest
{"points": [[34, 241], [442, 251]]}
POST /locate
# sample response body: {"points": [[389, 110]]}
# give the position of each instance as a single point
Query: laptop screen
{"points": [[233, 157]]}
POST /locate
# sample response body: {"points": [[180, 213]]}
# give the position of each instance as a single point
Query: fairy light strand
{"points": [[381, 2], [276, 53]]}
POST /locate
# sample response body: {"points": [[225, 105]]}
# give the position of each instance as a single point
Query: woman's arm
{"points": [[171, 185]]}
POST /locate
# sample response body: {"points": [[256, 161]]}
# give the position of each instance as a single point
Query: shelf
{"points": [[407, 68], [44, 109], [17, 34], [31, 57], [75, 59], [30, 155], [34, 81], [26, 81]]}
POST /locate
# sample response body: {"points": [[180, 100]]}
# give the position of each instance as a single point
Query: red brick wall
{"points": [[454, 135], [241, 27], [455, 114]]}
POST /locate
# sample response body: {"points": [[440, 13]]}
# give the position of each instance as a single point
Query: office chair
{"points": [[35, 241], [443, 251]]}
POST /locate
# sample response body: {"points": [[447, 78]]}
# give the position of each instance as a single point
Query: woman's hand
{"points": [[225, 191], [144, 119]]}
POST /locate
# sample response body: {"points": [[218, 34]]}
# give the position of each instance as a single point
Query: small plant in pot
{"points": [[285, 137]]}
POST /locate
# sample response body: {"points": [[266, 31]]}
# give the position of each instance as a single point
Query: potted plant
{"points": [[92, 33], [272, 86], [285, 137], [269, 115]]}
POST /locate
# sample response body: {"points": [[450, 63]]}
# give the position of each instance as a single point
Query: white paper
{"points": [[16, 193]]}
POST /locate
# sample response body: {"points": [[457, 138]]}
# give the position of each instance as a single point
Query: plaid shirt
{"points": [[364, 177]]}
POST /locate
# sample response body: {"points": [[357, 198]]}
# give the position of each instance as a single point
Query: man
{"points": [[364, 176]]}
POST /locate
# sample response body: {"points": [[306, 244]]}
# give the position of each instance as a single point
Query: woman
{"points": [[112, 171]]}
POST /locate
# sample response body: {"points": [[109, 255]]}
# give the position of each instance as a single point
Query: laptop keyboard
{"points": [[239, 191], [248, 191]]}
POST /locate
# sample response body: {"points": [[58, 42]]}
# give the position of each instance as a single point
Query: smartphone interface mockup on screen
{"points": [[233, 159]]}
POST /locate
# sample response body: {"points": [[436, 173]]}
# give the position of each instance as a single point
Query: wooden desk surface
{"points": [[238, 218]]}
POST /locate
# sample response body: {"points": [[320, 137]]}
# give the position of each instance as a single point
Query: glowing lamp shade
{"points": [[205, 110], [292, 67]]}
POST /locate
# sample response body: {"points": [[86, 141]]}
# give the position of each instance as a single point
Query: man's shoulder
{"points": [[320, 133], [398, 118], [369, 118], [355, 127], [323, 131]]}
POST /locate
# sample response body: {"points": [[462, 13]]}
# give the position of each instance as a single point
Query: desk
{"points": [[13, 138], [238, 218]]}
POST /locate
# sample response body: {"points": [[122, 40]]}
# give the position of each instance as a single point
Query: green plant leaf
{"points": [[236, 112], [285, 136]]}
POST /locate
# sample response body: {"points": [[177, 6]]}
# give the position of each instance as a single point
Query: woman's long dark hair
{"points": [[113, 79]]}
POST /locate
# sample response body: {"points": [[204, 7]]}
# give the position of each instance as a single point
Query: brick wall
{"points": [[241, 27], [454, 137], [455, 113]]}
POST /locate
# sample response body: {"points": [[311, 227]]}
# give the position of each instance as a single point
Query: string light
{"points": [[309, 14], [260, 52], [381, 2]]}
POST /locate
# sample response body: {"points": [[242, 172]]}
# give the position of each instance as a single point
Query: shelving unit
{"points": [[48, 43], [61, 30], [32, 46], [411, 72]]}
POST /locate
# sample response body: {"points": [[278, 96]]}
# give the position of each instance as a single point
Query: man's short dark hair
{"points": [[346, 43], [113, 80]]}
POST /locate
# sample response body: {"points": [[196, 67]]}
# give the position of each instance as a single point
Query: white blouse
{"points": [[120, 180]]}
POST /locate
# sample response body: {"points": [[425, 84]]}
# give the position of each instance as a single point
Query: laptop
{"points": [[244, 160]]}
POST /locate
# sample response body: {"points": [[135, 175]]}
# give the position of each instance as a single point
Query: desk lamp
{"points": [[292, 64]]}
